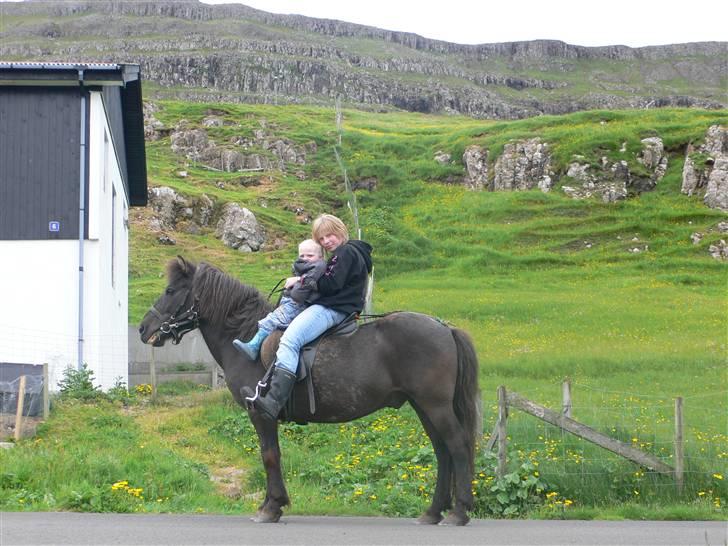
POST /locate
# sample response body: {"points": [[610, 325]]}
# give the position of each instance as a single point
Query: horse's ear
{"points": [[179, 268], [184, 265]]}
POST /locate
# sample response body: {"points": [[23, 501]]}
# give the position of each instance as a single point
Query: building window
{"points": [[113, 235]]}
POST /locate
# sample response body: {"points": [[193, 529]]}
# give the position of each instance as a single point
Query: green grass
{"points": [[195, 451], [545, 285]]}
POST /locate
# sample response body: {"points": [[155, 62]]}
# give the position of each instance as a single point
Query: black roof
{"points": [[126, 76]]}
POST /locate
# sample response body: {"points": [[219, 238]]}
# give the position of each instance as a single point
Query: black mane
{"points": [[223, 300]]}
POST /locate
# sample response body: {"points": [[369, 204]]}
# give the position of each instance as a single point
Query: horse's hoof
{"points": [[267, 517], [429, 519], [455, 519]]}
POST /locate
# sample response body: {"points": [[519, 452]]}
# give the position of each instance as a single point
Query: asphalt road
{"points": [[38, 528]]}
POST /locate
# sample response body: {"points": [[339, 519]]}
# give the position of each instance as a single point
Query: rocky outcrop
{"points": [[189, 142], [198, 12], [475, 159], [609, 185], [613, 181], [716, 193], [168, 208], [202, 210], [522, 166], [153, 128], [195, 51], [442, 158], [706, 169], [171, 211], [239, 154], [653, 157], [526, 164], [719, 250], [237, 226], [369, 183], [239, 229]]}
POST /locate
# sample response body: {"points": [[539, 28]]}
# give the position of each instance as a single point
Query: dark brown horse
{"points": [[402, 357]]}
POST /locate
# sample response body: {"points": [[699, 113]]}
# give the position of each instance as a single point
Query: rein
{"points": [[178, 326], [276, 289]]}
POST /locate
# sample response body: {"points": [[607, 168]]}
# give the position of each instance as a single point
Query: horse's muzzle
{"points": [[150, 335]]}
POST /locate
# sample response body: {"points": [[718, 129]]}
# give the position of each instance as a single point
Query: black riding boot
{"points": [[270, 404]]}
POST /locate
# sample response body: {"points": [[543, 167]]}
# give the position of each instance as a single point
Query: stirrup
{"points": [[250, 400]]}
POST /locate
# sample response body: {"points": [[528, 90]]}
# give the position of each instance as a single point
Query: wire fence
{"points": [[105, 352], [646, 422]]}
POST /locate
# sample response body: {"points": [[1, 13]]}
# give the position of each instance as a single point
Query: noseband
{"points": [[178, 325]]}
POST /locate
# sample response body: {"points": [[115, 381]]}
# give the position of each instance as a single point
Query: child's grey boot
{"points": [[251, 349]]}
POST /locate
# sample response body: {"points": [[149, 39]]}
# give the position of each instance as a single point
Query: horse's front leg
{"points": [[276, 495]]}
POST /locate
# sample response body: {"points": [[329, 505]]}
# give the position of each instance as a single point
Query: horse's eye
{"points": [[169, 291]]}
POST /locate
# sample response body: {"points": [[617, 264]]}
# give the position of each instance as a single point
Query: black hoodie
{"points": [[342, 285]]}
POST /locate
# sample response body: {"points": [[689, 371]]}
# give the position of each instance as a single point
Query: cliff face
{"points": [[232, 52]]}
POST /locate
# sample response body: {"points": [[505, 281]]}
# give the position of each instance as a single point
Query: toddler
{"points": [[309, 267]]}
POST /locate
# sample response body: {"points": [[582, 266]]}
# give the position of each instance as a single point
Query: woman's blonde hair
{"points": [[328, 223]]}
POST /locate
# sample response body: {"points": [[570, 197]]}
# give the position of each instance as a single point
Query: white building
{"points": [[71, 154]]}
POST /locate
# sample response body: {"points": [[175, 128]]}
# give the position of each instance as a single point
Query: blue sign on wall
{"points": [[54, 226]]}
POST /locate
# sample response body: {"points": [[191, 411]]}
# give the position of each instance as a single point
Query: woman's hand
{"points": [[291, 282]]}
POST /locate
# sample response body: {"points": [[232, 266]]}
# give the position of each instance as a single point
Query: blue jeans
{"points": [[307, 326], [281, 316]]}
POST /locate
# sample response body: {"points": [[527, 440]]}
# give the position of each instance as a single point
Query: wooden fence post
{"points": [[566, 397], [213, 378], [679, 455], [46, 390], [153, 375], [501, 426], [19, 412]]}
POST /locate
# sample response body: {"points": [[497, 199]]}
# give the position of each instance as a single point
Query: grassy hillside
{"points": [[545, 285]]}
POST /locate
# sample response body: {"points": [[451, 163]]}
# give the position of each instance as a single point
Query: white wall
{"points": [[39, 281], [38, 298], [106, 302]]}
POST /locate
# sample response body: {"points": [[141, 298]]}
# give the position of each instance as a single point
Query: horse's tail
{"points": [[467, 402]]}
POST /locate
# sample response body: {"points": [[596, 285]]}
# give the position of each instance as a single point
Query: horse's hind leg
{"points": [[449, 428], [276, 495], [442, 497]]}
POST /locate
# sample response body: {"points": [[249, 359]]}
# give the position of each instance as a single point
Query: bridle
{"points": [[177, 325]]}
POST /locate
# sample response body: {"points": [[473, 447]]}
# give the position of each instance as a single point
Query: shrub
{"points": [[78, 384], [515, 494]]}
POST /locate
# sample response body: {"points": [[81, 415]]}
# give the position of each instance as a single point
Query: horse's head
{"points": [[174, 313]]}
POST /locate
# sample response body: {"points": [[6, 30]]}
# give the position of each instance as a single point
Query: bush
{"points": [[513, 495], [78, 384], [119, 392]]}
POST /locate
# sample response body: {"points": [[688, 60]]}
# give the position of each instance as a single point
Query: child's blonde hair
{"points": [[326, 224], [310, 243]]}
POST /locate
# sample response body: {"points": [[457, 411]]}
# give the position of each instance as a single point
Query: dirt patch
{"points": [[7, 426], [228, 481]]}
